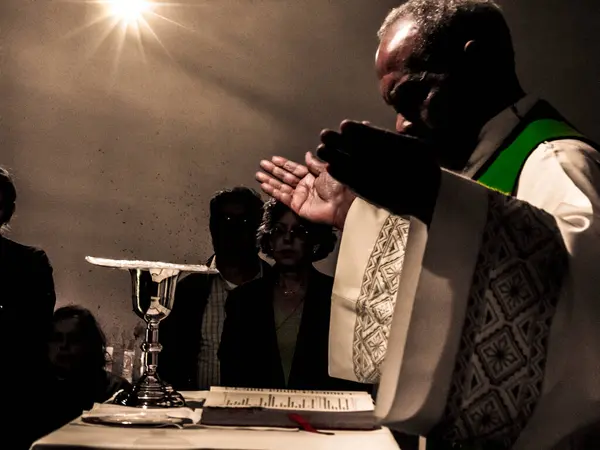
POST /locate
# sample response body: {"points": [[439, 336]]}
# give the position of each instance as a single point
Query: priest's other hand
{"points": [[393, 171], [308, 190]]}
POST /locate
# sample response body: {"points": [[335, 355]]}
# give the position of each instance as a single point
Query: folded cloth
{"points": [[103, 410]]}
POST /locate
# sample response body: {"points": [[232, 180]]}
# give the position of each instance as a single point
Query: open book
{"points": [[288, 408]]}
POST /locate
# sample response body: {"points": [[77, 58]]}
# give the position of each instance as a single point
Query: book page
{"points": [[340, 401]]}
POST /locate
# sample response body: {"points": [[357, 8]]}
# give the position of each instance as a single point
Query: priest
{"points": [[466, 280]]}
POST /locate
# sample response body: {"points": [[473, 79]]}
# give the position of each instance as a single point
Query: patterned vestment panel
{"points": [[377, 299], [499, 369]]}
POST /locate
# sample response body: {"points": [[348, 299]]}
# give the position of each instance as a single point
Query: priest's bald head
{"points": [[446, 67]]}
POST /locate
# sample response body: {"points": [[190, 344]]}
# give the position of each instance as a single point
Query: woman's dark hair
{"points": [[9, 197], [91, 334], [322, 237]]}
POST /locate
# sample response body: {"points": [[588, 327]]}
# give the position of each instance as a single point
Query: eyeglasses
{"points": [[236, 221], [298, 231]]}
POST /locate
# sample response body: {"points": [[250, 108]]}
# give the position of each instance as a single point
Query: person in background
{"points": [[77, 352], [27, 299], [276, 333], [190, 336]]}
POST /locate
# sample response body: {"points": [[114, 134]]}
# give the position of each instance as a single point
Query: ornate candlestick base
{"points": [[153, 285]]}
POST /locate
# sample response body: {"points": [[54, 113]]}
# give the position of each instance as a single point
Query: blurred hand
{"points": [[393, 171], [310, 191]]}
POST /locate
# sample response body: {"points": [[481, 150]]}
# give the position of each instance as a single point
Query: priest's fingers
{"points": [[331, 138], [292, 167], [283, 197], [315, 166], [273, 183], [279, 173], [355, 139], [367, 142], [339, 162], [352, 126]]}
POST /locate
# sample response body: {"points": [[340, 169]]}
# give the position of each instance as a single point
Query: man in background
{"points": [[192, 333]]}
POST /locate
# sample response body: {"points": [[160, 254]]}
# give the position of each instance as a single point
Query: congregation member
{"points": [[27, 300], [77, 352], [192, 333], [276, 332], [466, 281]]}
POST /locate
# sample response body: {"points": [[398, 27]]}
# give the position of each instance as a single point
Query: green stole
{"points": [[541, 124]]}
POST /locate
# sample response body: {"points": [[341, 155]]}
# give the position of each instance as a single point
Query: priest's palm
{"points": [[308, 190]]}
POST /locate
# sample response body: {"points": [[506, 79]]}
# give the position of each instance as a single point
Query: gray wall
{"points": [[118, 158]]}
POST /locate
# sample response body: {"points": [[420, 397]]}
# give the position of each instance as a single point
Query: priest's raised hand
{"points": [[393, 171], [309, 190]]}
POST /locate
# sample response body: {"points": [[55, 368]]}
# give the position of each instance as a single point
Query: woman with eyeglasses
{"points": [[276, 333]]}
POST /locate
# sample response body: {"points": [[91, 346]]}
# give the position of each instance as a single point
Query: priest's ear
{"points": [[482, 55], [473, 53]]}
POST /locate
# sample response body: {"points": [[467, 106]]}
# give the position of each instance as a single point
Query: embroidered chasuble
{"points": [[478, 317]]}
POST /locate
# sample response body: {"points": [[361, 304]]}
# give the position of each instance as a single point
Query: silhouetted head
{"points": [[292, 241], [446, 67], [235, 215], [77, 345], [8, 197]]}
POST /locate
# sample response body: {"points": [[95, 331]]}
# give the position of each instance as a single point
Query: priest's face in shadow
{"points": [[443, 94], [290, 241], [428, 105]]}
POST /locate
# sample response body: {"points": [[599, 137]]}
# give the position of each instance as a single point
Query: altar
{"points": [[79, 435]]}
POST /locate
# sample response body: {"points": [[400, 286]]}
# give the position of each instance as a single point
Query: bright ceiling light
{"points": [[129, 10]]}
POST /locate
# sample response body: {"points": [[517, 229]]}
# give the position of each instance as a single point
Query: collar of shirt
{"points": [[495, 131], [228, 285]]}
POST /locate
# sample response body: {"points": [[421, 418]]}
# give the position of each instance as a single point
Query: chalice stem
{"points": [[151, 348]]}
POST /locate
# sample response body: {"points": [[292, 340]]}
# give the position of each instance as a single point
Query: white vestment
{"points": [[492, 314]]}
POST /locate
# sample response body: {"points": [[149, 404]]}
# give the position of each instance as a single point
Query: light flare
{"points": [[129, 11], [119, 21]]}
